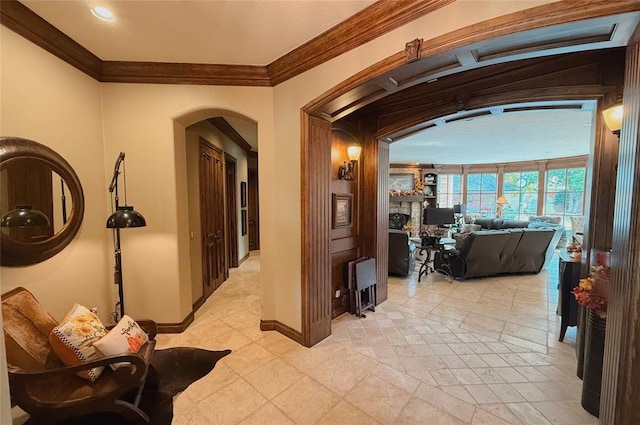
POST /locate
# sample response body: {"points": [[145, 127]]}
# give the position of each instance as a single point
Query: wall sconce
{"points": [[613, 118], [501, 201], [346, 171]]}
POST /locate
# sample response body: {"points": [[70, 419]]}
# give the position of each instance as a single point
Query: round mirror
{"points": [[41, 202]]}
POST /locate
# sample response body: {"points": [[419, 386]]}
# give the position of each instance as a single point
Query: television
{"points": [[460, 209], [438, 216]]}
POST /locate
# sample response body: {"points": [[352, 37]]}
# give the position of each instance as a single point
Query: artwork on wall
{"points": [[244, 222], [342, 211], [243, 194], [401, 182]]}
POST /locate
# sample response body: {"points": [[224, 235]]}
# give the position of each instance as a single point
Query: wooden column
{"points": [[621, 369], [381, 230], [316, 219]]}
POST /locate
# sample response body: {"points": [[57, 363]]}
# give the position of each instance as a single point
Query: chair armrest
{"points": [[133, 371], [150, 327]]}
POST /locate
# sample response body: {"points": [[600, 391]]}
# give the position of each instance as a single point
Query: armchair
{"points": [[51, 392]]}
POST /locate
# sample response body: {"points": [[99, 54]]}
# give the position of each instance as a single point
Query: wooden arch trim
{"points": [[316, 136]]}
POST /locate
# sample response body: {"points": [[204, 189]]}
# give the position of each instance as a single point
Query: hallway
{"points": [[475, 352]]}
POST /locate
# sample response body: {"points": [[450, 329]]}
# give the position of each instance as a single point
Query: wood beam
{"points": [[225, 128]]}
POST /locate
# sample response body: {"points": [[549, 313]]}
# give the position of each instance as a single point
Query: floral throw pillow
{"points": [[72, 340], [125, 337]]}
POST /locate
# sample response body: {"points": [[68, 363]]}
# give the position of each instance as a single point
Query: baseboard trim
{"points": [[243, 259], [175, 328], [289, 332]]}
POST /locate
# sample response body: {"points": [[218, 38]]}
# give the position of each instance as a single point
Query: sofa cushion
{"points": [[72, 340], [514, 224], [485, 223], [470, 228]]}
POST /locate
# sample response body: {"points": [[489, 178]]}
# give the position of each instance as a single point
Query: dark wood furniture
{"points": [[51, 392], [569, 276]]}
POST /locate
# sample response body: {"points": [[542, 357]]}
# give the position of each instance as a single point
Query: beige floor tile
{"points": [[460, 392], [528, 414], [379, 399], [267, 415], [396, 377], [345, 413], [446, 402], [419, 412], [339, 375], [306, 401], [220, 377], [249, 358], [482, 417], [273, 378], [231, 404], [428, 355]]}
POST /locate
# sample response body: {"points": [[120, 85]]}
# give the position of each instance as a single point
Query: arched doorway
{"points": [[317, 143], [213, 147]]}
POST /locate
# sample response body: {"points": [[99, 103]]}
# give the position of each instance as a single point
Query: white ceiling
{"points": [[500, 137], [236, 32], [257, 32]]}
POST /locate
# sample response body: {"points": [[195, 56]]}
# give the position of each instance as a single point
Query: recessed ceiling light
{"points": [[103, 13]]}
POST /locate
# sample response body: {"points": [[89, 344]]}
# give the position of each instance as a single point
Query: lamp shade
{"points": [[502, 200], [125, 216], [353, 152], [613, 118], [24, 216]]}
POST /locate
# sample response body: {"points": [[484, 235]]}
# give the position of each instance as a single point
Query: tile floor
{"points": [[481, 352]]}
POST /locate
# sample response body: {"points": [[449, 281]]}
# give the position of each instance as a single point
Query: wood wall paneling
{"points": [[621, 369], [344, 240], [316, 220], [339, 259]]}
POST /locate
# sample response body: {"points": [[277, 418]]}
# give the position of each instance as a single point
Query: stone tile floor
{"points": [[481, 352]]}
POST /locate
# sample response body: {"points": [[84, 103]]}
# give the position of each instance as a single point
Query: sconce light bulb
{"points": [[354, 152]]}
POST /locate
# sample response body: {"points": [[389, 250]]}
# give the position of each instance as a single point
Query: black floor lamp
{"points": [[122, 217]]}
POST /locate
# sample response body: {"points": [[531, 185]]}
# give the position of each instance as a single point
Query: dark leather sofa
{"points": [[503, 250], [402, 253]]}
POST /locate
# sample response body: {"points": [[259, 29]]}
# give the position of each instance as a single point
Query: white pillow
{"points": [[125, 337]]}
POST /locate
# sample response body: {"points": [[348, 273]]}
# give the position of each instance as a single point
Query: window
{"points": [[481, 194], [564, 194], [521, 190], [449, 190]]}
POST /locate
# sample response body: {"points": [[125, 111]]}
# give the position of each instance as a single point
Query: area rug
{"points": [[174, 369]]}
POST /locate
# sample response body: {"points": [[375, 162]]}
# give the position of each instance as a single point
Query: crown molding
{"points": [[366, 25], [184, 73], [373, 21], [23, 21]]}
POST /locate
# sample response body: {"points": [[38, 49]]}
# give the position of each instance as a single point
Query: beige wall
{"points": [[89, 123], [148, 122], [48, 101], [216, 138]]}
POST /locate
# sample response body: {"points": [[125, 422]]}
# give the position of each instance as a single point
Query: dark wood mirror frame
{"points": [[17, 253]]}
